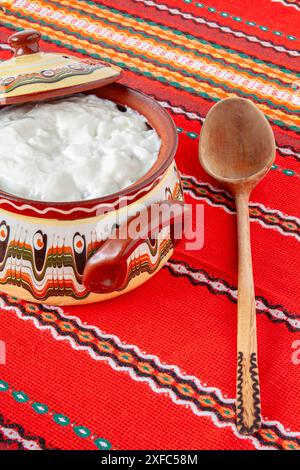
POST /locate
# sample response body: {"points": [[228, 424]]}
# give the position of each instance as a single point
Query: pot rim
{"points": [[166, 129]]}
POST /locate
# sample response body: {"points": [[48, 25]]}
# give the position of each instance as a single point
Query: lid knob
{"points": [[25, 42]]}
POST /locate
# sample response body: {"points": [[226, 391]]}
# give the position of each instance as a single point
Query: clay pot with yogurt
{"points": [[56, 252]]}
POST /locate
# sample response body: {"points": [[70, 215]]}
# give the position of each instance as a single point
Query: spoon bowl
{"points": [[237, 143], [237, 148]]}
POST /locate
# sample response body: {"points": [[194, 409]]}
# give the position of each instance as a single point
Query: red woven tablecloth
{"points": [[156, 368]]}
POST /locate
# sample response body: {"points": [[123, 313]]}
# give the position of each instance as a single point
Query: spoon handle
{"points": [[248, 414]]}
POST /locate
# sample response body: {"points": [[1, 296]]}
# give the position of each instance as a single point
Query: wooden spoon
{"points": [[237, 148]]}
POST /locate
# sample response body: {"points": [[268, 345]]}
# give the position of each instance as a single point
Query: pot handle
{"points": [[25, 42], [22, 43], [106, 270]]}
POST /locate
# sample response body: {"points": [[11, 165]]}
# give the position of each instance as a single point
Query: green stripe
{"points": [[138, 71], [286, 171], [42, 409], [174, 45], [38, 79], [240, 19], [189, 36], [220, 85]]}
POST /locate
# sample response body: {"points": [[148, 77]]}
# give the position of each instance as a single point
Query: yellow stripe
{"points": [[183, 41], [156, 71], [247, 84], [209, 63]]}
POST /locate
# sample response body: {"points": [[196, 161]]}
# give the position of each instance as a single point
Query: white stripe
{"points": [[254, 204], [287, 151], [262, 206], [287, 4], [137, 378], [143, 355], [197, 117], [13, 435], [132, 373], [225, 29], [179, 110], [211, 70], [229, 211], [219, 286]]}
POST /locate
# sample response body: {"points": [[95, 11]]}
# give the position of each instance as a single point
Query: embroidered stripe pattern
{"points": [[174, 60], [289, 3], [218, 286], [183, 41], [288, 151], [13, 433], [284, 150], [215, 25], [59, 419], [269, 218], [182, 71], [238, 19], [203, 400], [189, 64]]}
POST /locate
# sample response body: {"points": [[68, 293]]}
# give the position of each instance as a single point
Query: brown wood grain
{"points": [[237, 148]]}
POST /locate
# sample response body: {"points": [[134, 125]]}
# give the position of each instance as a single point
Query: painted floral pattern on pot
{"points": [[44, 259], [51, 75]]}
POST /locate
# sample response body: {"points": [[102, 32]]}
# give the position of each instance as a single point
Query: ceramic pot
{"points": [[49, 252]]}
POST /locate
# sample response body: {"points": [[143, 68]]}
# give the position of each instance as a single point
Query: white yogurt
{"points": [[74, 148]]}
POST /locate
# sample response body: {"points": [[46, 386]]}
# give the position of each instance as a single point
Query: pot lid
{"points": [[34, 75]]}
